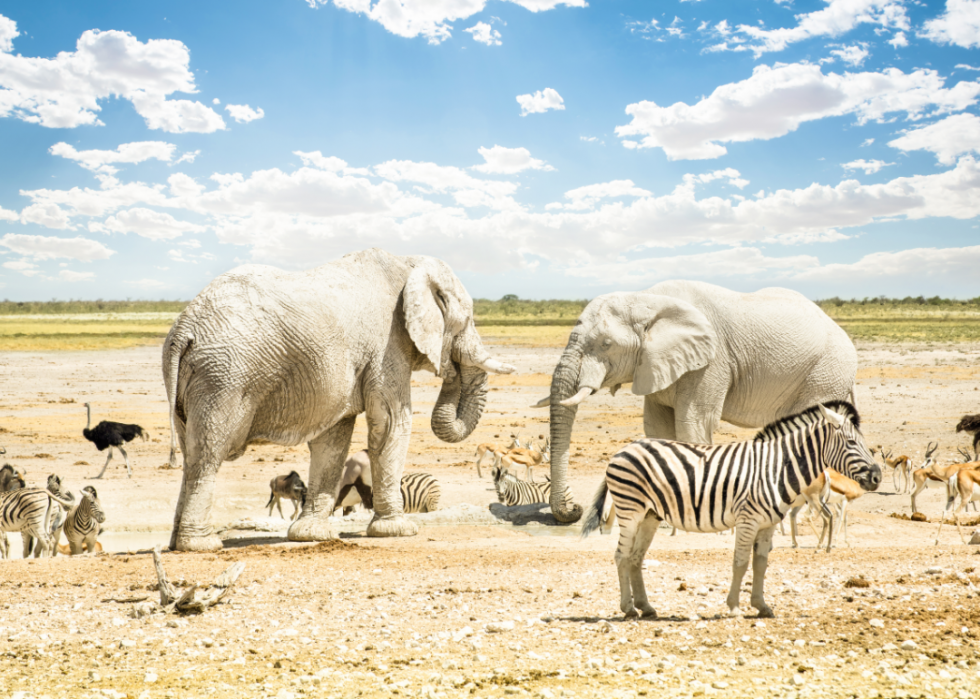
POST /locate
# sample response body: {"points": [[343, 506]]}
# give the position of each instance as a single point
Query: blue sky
{"points": [[545, 149]]}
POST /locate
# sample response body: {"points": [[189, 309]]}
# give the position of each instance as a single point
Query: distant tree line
{"points": [[9, 308], [907, 301]]}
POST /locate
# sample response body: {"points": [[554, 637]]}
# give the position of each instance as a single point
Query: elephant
{"points": [[292, 357], [699, 353]]}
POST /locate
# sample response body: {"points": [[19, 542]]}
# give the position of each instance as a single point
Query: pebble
{"points": [[462, 633], [934, 571], [94, 676], [877, 623], [500, 626], [797, 680], [546, 694], [909, 645], [150, 677]]}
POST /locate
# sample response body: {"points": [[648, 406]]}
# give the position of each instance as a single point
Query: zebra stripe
{"points": [[512, 491], [28, 511], [82, 525], [746, 485], [420, 492]]}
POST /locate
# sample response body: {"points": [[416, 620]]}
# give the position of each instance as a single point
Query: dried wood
{"points": [[196, 598]]}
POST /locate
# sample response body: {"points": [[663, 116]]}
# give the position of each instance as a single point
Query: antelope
{"points": [[529, 457], [901, 468], [931, 475], [964, 484], [481, 451], [842, 490]]}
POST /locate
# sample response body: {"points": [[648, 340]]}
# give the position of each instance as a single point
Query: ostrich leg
{"points": [[129, 471], [106, 465]]}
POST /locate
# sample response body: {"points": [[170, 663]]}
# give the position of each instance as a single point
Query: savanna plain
{"points": [[484, 610]]}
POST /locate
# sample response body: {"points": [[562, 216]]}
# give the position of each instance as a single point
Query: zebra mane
{"points": [[809, 416]]}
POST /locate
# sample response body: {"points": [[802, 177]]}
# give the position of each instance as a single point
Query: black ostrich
{"points": [[970, 423], [112, 434]]}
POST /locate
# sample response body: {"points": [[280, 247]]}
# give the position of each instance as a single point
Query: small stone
{"points": [[975, 539], [94, 676], [888, 647], [207, 642], [877, 623], [797, 680], [500, 626], [934, 571], [909, 645], [462, 633], [126, 643], [719, 685], [150, 677], [546, 694]]}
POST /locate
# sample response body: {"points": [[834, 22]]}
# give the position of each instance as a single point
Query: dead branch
{"points": [[196, 598]]}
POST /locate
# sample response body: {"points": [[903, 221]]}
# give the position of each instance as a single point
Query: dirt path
{"points": [[432, 615]]}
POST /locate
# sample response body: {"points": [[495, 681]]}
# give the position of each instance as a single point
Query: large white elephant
{"points": [[263, 354], [700, 354]]}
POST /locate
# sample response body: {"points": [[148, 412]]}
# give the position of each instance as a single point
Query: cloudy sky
{"points": [[545, 148]]}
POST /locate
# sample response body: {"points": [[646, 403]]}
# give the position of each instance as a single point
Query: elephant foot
{"points": [[396, 525], [310, 528], [211, 542], [570, 515]]}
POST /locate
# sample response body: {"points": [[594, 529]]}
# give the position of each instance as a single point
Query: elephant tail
{"points": [[177, 345], [602, 514]]}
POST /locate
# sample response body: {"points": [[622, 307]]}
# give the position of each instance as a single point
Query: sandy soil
{"points": [[479, 611]]}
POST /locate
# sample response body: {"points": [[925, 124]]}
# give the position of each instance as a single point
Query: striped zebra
{"points": [[57, 517], [420, 493], [29, 511], [747, 485], [512, 491], [82, 525]]}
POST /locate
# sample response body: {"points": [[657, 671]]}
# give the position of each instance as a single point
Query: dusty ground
{"points": [[417, 617]]}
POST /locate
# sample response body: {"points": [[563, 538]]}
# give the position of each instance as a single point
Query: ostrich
{"points": [[970, 424], [112, 434]]}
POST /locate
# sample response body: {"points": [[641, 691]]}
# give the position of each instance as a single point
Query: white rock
{"points": [[877, 623], [94, 676], [500, 626], [546, 694], [797, 680], [909, 645], [719, 685], [462, 633], [150, 677], [934, 571]]}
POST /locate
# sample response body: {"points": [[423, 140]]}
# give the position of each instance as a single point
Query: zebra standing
{"points": [[57, 516], [420, 493], [82, 525], [746, 485], [29, 511], [512, 491]]}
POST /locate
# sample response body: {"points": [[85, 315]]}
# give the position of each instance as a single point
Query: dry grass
{"points": [[90, 331]]}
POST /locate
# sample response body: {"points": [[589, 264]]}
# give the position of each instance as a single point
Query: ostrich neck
{"points": [[88, 422]]}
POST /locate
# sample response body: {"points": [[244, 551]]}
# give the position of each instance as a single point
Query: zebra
{"points": [[747, 485], [57, 517], [420, 493], [512, 491], [82, 525], [29, 511]]}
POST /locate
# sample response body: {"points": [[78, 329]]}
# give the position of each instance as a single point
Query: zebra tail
{"points": [[596, 515]]}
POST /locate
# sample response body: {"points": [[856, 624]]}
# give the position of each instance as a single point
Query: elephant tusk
{"points": [[543, 403], [496, 367], [582, 394]]}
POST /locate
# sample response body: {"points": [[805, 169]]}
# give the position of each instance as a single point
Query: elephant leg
{"points": [[658, 420], [389, 432], [192, 525], [760, 561], [328, 452], [698, 404]]}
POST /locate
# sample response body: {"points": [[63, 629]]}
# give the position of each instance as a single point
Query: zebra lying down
{"points": [[746, 485]]}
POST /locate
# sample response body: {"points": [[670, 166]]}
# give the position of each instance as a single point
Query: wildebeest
{"points": [[289, 487]]}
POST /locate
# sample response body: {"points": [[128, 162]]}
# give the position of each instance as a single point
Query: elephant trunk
{"points": [[460, 403], [564, 383]]}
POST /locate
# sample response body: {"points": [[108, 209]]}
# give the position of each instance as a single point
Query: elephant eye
{"points": [[607, 342]]}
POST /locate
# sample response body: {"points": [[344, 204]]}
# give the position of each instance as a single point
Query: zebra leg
{"points": [[627, 532], [4, 545], [641, 544], [792, 524], [129, 471], [745, 536], [108, 459], [760, 561]]}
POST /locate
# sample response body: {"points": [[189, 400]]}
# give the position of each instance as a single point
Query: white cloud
{"points": [[899, 41], [64, 92], [99, 160], [41, 247], [509, 161], [965, 66], [586, 197], [8, 32], [959, 24], [483, 33], [867, 142], [431, 19], [917, 263], [949, 138], [8, 215], [733, 262], [838, 18], [851, 55], [317, 160], [28, 269], [540, 101], [243, 114], [467, 190], [187, 157], [870, 167], [147, 223], [182, 185], [775, 101], [148, 284], [67, 275], [47, 214]]}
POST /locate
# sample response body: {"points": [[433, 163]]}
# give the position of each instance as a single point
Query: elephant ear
{"points": [[677, 338], [423, 315]]}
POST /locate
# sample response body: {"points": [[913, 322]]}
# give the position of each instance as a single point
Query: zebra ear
{"points": [[835, 419], [676, 338]]}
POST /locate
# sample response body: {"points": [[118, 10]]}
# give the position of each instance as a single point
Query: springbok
{"points": [[842, 491], [482, 450], [901, 469], [965, 485], [933, 476]]}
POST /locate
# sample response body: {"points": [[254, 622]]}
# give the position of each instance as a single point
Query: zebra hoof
{"points": [[212, 542], [310, 528], [397, 525]]}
